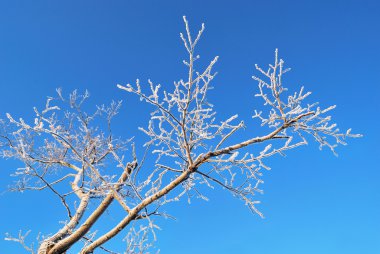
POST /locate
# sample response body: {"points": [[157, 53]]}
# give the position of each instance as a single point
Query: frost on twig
{"points": [[304, 118], [140, 239], [183, 127], [21, 239], [76, 156]]}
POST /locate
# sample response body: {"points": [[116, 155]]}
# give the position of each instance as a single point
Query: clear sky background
{"points": [[313, 203]]}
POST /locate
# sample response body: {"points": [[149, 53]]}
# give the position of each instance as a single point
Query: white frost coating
{"points": [[75, 155]]}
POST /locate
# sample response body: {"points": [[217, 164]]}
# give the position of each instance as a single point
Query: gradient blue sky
{"points": [[313, 203]]}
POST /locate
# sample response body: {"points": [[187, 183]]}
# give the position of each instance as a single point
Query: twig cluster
{"points": [[75, 154]]}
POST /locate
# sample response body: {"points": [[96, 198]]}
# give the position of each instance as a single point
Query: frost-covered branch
{"points": [[76, 156], [21, 239]]}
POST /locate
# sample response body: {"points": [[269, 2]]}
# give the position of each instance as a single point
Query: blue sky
{"points": [[313, 203]]}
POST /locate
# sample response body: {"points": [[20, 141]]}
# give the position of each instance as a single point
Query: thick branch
{"points": [[66, 243], [182, 177], [67, 228], [134, 212]]}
